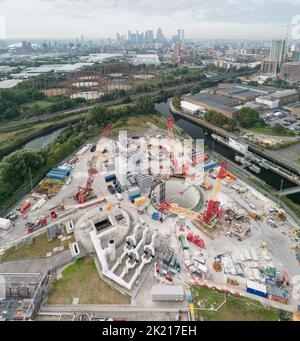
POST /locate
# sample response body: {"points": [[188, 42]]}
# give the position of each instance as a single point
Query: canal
{"points": [[198, 132], [41, 142]]}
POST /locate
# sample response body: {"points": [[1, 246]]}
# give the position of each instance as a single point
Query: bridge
{"points": [[289, 191]]}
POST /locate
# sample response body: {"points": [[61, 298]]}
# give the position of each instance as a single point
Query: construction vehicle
{"points": [[195, 239]]}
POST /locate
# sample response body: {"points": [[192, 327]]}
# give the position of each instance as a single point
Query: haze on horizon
{"points": [[59, 19]]}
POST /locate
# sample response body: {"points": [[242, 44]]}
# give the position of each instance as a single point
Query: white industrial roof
{"points": [[147, 59], [283, 93], [256, 286], [191, 106], [9, 83], [162, 289]]}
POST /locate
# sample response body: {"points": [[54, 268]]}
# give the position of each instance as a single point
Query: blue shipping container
{"points": [[58, 173], [55, 176], [155, 216], [134, 196], [60, 170], [210, 165], [110, 178], [257, 289]]}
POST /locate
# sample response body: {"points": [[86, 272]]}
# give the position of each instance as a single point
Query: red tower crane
{"points": [[213, 207], [84, 192]]}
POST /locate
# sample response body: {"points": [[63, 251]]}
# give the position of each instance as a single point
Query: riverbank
{"points": [[286, 203], [273, 156]]}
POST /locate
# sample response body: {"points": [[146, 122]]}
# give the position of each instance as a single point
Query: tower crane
{"points": [[83, 193], [213, 204]]}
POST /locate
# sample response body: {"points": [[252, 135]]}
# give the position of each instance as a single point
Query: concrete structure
{"points": [[167, 293]]}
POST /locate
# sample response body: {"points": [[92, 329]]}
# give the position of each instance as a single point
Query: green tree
{"points": [[278, 128], [14, 169], [195, 90], [145, 104], [177, 100], [248, 118], [11, 113], [97, 115]]}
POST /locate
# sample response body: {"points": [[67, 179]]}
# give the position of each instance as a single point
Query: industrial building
{"points": [[221, 104]]}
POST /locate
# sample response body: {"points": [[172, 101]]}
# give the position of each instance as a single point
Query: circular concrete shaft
{"points": [[182, 193]]}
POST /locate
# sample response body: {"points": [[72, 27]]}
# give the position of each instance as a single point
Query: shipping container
{"points": [[61, 170], [55, 176], [210, 165], [134, 190], [155, 216], [110, 178], [133, 197], [257, 289]]}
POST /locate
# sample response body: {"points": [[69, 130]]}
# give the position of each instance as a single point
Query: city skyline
{"points": [[103, 19]]}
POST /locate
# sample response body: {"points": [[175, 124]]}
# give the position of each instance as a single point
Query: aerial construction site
{"points": [[158, 223]]}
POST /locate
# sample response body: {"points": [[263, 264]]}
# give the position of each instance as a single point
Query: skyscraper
{"points": [[159, 36], [277, 52]]}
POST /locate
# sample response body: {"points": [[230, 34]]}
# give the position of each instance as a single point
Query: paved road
{"points": [[37, 265], [130, 312]]}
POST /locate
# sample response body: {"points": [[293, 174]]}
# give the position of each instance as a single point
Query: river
{"points": [[42, 141], [198, 132]]}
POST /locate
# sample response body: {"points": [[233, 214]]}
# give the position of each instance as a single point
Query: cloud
{"points": [[236, 11], [105, 17]]}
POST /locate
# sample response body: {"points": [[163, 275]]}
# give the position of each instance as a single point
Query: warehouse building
{"points": [[221, 104]]}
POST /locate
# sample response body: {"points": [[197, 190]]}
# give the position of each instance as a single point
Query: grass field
{"points": [[235, 308], [269, 131], [43, 104], [17, 135], [82, 280], [37, 249]]}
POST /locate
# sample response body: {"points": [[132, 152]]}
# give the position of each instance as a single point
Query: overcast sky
{"points": [[104, 18]]}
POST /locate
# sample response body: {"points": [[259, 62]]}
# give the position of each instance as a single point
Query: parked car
{"points": [[93, 149]]}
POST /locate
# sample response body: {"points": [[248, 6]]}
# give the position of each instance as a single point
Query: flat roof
{"points": [[284, 93], [191, 106], [162, 289], [220, 102], [10, 83]]}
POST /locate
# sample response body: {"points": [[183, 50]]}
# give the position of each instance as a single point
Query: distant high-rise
{"points": [[149, 36], [182, 35], [277, 52], [159, 36]]}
